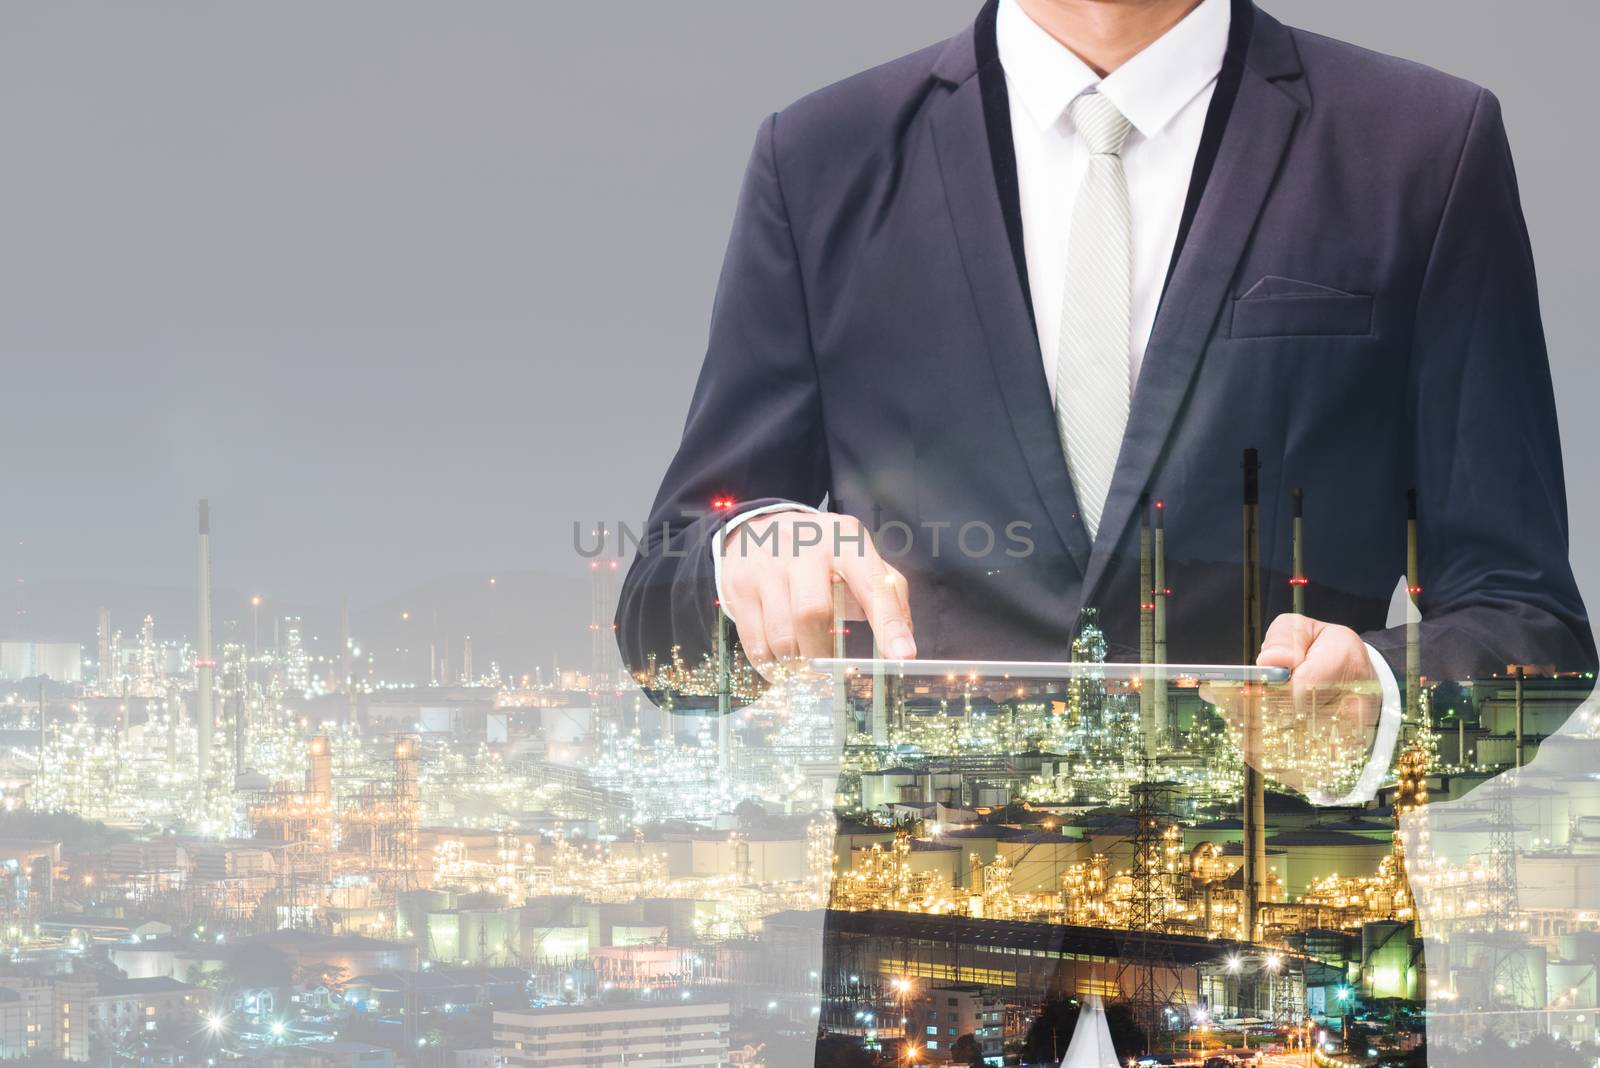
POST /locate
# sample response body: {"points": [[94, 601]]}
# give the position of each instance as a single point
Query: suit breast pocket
{"points": [[1287, 307]]}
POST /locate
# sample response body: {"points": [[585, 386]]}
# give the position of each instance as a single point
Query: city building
{"points": [[691, 1033], [27, 1020], [154, 1004], [43, 1015], [942, 1014]]}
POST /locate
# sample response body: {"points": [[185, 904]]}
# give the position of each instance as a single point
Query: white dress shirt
{"points": [[1164, 92]]}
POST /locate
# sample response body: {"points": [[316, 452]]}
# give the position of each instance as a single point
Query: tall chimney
{"points": [[1297, 582], [352, 705], [241, 730], [724, 652], [1413, 714], [1158, 617], [205, 662], [1147, 608], [843, 721], [1254, 815], [1519, 698], [880, 697], [107, 668]]}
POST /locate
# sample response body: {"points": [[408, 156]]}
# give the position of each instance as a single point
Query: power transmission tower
{"points": [[1510, 984], [1288, 1002], [1503, 848], [1146, 955]]}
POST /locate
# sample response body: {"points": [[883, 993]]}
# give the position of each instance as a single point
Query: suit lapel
{"points": [[961, 144], [1253, 145]]}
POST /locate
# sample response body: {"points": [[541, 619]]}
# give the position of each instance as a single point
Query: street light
{"points": [[902, 986]]}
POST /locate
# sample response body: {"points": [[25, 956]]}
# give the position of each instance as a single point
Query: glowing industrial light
{"points": [[277, 1028], [1273, 962], [214, 1024], [1234, 964]]}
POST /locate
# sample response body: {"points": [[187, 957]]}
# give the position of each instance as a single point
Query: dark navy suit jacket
{"points": [[1353, 295]]}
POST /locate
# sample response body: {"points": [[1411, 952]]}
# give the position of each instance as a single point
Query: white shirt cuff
{"points": [[1390, 717], [734, 524]]}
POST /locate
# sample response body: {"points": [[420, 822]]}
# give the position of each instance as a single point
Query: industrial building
{"points": [[680, 1033]]}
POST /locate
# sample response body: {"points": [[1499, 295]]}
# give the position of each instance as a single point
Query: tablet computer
{"points": [[1053, 669]]}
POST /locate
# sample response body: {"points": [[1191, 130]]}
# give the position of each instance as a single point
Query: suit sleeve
{"points": [[754, 432], [1496, 584]]}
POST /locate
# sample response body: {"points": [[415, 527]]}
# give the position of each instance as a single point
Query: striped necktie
{"points": [[1092, 370]]}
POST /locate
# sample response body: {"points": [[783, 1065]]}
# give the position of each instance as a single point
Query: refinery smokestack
{"points": [[205, 662], [1413, 713], [1297, 582], [1158, 617], [842, 720], [724, 690], [1147, 609], [106, 670], [1517, 704], [1254, 815]]}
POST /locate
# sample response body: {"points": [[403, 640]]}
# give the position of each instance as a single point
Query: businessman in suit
{"points": [[981, 301]]}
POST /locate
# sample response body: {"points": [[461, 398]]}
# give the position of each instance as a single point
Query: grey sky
{"points": [[406, 287]]}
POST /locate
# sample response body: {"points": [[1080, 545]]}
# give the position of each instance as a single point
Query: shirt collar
{"points": [[1149, 89]]}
